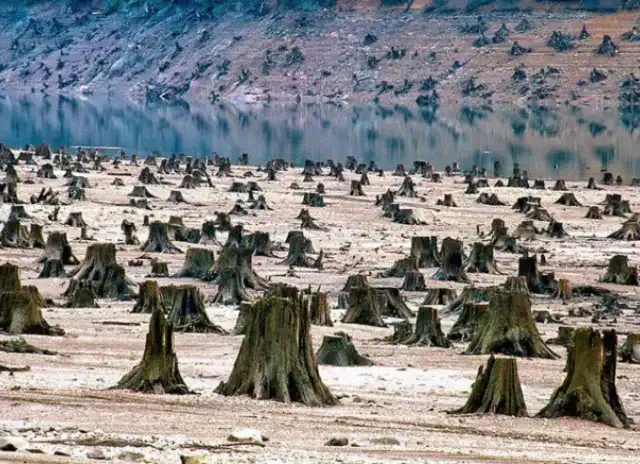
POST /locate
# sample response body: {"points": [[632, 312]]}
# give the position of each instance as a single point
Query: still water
{"points": [[563, 142]]}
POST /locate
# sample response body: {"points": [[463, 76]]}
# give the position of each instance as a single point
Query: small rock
{"points": [[337, 441], [389, 441], [246, 436], [13, 443], [97, 455]]}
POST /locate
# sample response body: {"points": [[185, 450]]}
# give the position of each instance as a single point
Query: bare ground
{"points": [[63, 403]]}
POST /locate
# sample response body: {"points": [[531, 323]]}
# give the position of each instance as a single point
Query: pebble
{"points": [[337, 441]]}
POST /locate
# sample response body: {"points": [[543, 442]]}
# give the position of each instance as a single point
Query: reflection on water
{"points": [[568, 142]]}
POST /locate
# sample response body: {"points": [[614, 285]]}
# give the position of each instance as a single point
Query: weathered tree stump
{"points": [[508, 328], [356, 281], [526, 204], [208, 233], [447, 201], [313, 199], [175, 196], [117, 182], [58, 248], [425, 251], [502, 241], [439, 296], [9, 278], [630, 230], [129, 229], [589, 389], [564, 290], [526, 230], [140, 191], [364, 179], [260, 243], [451, 262], [235, 238], [149, 298], [492, 200], [481, 259], [356, 189], [185, 308], [46, 171], [428, 331], [307, 220], [619, 272], [391, 303], [14, 234], [594, 213], [233, 274], [556, 229], [260, 204], [414, 281], [405, 216], [36, 239], [159, 268], [407, 189], [568, 199], [338, 350], [468, 322], [75, 220], [401, 267], [146, 177], [318, 308], [536, 283], [364, 308], [496, 390], [539, 214], [276, 359], [197, 263], [21, 311], [564, 338], [472, 189], [630, 350], [158, 240], [297, 255], [189, 182], [158, 371], [81, 294], [560, 185], [18, 212], [100, 267]]}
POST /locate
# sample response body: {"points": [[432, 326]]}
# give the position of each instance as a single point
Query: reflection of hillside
{"points": [[545, 142]]}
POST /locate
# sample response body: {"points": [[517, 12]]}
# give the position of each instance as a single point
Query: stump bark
{"points": [[508, 328], [364, 308], [451, 262], [276, 359], [197, 263], [468, 322], [158, 372], [58, 248], [356, 189], [260, 243], [208, 233], [159, 268], [317, 305], [185, 308], [407, 189], [175, 196], [496, 390], [158, 240], [149, 298], [140, 191], [36, 239], [619, 272], [52, 268], [75, 220], [297, 255], [21, 313], [564, 290], [428, 331], [481, 259], [425, 251], [589, 390], [338, 350]]}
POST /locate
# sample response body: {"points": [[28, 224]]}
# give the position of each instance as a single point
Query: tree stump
{"points": [[451, 262], [526, 204], [407, 189], [630, 350], [313, 199], [297, 254], [481, 260], [185, 308], [197, 263], [528, 268], [496, 390], [428, 331], [564, 290], [525, 230], [14, 234], [9, 278], [235, 237], [159, 268], [260, 243], [100, 267], [447, 201], [75, 220], [619, 272], [400, 268], [276, 359], [364, 308], [564, 338], [630, 230], [356, 189], [222, 222], [539, 214], [81, 294], [492, 200], [129, 229], [356, 281], [189, 182], [318, 308], [425, 251], [244, 310], [405, 216], [414, 281], [364, 179], [140, 191], [208, 233], [391, 303], [21, 313], [556, 229], [149, 298], [568, 199], [508, 328], [52, 268], [560, 185], [589, 390], [591, 184], [158, 240], [468, 322], [58, 248], [175, 196], [439, 296], [233, 274], [158, 372], [18, 212], [36, 239], [260, 204], [338, 350], [502, 241]]}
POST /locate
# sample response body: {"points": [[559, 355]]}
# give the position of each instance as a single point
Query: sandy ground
{"points": [[62, 403]]}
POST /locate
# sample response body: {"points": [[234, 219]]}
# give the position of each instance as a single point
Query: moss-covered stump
{"points": [[318, 308], [197, 263], [425, 251], [414, 282], [81, 294], [619, 272], [36, 239], [564, 338], [233, 273], [355, 281], [401, 267], [594, 213], [9, 278], [338, 350], [149, 298], [630, 350], [52, 268], [427, 331], [470, 294], [589, 390], [451, 262], [260, 243], [14, 234], [159, 268], [629, 231], [481, 259], [496, 390], [276, 358], [297, 256], [101, 268], [158, 372], [129, 230], [439, 296], [391, 303], [21, 313], [364, 308], [508, 328], [468, 322], [536, 282], [185, 308], [158, 240]]}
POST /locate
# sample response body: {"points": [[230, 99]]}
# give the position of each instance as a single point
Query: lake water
{"points": [[551, 143]]}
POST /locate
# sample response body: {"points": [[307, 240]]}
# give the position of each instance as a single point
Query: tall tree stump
{"points": [[630, 350], [101, 268], [129, 230], [14, 234], [149, 298], [158, 240], [439, 296], [425, 250], [9, 278], [481, 259], [233, 273], [428, 331], [197, 263], [21, 313], [414, 282], [589, 390], [496, 390], [508, 328], [364, 308], [451, 262], [81, 294], [338, 350], [318, 308], [158, 371], [185, 307], [619, 272], [36, 238], [276, 358], [468, 322]]}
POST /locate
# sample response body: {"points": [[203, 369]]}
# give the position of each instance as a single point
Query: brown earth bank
{"points": [[354, 52]]}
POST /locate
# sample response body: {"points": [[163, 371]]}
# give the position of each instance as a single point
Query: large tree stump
{"points": [[21, 313], [439, 296], [564, 338], [451, 258], [428, 331], [619, 272], [425, 250], [81, 294], [158, 371], [14, 234], [401, 267], [260, 243], [100, 267], [185, 307], [129, 229], [159, 268], [175, 196], [244, 311], [52, 268], [630, 230], [338, 350], [508, 328], [447, 201], [36, 239], [568, 199], [414, 282], [58, 248], [297, 255], [496, 390], [318, 308], [468, 322], [276, 359], [391, 303], [470, 294], [356, 189], [481, 260], [140, 191], [235, 237], [233, 274], [149, 298], [197, 263], [75, 219], [536, 282], [313, 199], [630, 350], [158, 240], [364, 308], [589, 389], [355, 281]]}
